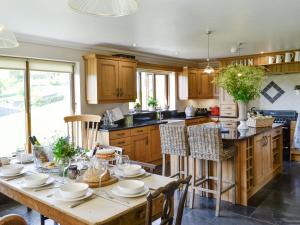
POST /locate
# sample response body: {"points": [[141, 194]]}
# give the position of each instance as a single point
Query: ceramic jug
{"points": [[288, 57], [189, 111], [297, 56], [279, 58]]}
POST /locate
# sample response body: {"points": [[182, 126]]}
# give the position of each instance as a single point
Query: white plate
{"points": [[58, 196], [48, 182], [25, 162], [120, 173], [116, 191], [15, 175]]}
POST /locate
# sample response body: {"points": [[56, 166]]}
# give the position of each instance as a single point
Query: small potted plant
{"points": [[243, 83], [63, 152], [137, 107], [152, 103]]}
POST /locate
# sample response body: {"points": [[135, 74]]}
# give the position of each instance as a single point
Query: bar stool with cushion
{"points": [[206, 144], [174, 143]]}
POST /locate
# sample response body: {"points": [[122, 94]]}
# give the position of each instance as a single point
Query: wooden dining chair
{"points": [[168, 191], [12, 219], [83, 129]]}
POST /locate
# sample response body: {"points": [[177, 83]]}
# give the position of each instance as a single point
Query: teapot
{"points": [[190, 111]]}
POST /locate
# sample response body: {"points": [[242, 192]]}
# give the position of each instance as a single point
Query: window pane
{"points": [[12, 111], [161, 90], [50, 103]]}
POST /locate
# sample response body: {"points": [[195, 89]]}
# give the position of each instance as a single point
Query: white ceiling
{"points": [[165, 26]]}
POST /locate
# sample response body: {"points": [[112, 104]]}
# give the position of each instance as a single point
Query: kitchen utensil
{"points": [[297, 56], [131, 187], [46, 188], [271, 59], [35, 180], [279, 58], [288, 57], [73, 190], [112, 199], [11, 170]]}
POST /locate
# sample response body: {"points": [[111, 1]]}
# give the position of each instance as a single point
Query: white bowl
{"points": [[36, 179], [12, 169], [131, 187], [73, 190], [132, 169]]}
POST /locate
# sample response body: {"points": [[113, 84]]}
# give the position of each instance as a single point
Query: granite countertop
{"points": [[135, 125], [235, 135]]}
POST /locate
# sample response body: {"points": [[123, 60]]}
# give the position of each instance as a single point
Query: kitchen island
{"points": [[258, 160]]}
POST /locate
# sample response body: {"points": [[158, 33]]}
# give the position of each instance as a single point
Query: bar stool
{"points": [[174, 143], [206, 144]]}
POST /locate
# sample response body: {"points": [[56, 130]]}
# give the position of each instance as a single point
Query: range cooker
{"points": [[284, 117]]}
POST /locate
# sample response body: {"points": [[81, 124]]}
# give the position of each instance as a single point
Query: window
{"points": [[152, 85], [48, 87]]}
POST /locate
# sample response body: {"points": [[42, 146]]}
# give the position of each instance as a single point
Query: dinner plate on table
{"points": [[48, 182], [57, 195], [15, 175], [121, 174], [116, 191]]}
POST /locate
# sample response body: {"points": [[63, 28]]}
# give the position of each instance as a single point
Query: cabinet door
{"points": [[206, 86], [267, 156], [140, 147], [193, 83], [155, 145], [225, 98], [108, 83], [258, 173], [127, 80]]}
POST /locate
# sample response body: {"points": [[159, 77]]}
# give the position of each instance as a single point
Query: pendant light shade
{"points": [[7, 38], [208, 69], [113, 8]]}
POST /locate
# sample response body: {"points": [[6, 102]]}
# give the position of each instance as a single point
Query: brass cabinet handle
{"points": [[121, 142], [121, 91]]}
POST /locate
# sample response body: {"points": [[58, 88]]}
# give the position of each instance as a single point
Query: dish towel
{"points": [[297, 134]]}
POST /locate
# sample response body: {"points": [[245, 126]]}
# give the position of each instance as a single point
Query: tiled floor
{"points": [[277, 203]]}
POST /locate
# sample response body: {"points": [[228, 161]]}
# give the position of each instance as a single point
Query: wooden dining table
{"points": [[100, 210]]}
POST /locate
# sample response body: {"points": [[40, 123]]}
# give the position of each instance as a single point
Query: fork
{"points": [[112, 197]]}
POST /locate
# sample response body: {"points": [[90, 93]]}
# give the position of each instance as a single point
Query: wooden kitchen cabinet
{"points": [[155, 144], [140, 147], [228, 107], [193, 83], [109, 79]]}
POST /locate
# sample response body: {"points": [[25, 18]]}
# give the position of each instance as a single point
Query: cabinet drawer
{"points": [[119, 134], [229, 124], [228, 113], [120, 142], [139, 131], [276, 132], [231, 107]]}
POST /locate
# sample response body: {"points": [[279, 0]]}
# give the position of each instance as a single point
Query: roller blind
{"points": [[12, 63], [53, 66]]}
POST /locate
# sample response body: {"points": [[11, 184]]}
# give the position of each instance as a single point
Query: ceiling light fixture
{"points": [[112, 8], [7, 38], [208, 69]]}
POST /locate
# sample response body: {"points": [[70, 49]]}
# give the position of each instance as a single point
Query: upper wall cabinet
{"points": [[109, 79], [199, 85]]}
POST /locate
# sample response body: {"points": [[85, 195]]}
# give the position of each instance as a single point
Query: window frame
{"points": [[154, 73], [27, 92]]}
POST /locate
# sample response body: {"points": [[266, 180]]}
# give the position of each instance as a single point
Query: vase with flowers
{"points": [[243, 83]]}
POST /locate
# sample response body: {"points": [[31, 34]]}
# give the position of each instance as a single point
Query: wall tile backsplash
{"points": [[287, 101]]}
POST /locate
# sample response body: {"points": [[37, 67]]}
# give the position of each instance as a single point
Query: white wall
{"points": [[288, 101]]}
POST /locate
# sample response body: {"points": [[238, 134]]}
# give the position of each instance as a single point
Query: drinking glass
{"points": [[122, 162], [19, 154]]}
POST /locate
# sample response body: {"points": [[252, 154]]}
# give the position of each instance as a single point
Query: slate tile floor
{"points": [[277, 203]]}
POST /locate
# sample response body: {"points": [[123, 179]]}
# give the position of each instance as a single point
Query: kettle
{"points": [[190, 111]]}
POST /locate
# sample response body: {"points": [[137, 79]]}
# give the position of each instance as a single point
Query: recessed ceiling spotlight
{"points": [[176, 53], [134, 44], [261, 52]]}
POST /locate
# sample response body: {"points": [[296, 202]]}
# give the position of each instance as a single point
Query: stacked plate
{"points": [[37, 180], [24, 158], [130, 171], [11, 170], [130, 189], [73, 192]]}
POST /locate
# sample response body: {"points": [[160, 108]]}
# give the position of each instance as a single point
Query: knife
{"points": [[45, 188], [114, 200], [81, 202]]}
